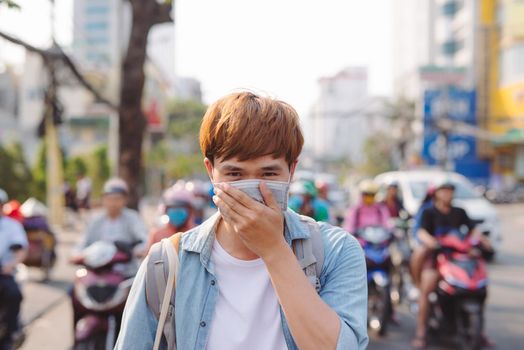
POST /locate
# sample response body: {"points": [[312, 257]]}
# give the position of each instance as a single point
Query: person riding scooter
{"points": [[178, 210], [116, 224], [304, 200], [368, 212], [438, 220], [392, 201], [13, 249]]}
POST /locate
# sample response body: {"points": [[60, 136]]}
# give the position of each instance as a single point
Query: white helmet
{"points": [[33, 207], [177, 195], [116, 186]]}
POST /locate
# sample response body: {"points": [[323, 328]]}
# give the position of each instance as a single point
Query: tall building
{"points": [[504, 24], [338, 125]]}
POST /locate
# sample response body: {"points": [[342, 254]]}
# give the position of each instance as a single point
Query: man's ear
{"points": [[209, 167]]}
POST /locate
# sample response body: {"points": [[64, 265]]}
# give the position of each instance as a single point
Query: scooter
{"points": [[400, 256], [457, 304], [99, 294], [375, 241]]}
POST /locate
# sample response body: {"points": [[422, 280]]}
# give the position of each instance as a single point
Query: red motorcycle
{"points": [[100, 291], [457, 304]]}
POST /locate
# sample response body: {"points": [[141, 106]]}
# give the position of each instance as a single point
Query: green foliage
{"points": [[185, 117], [377, 153], [38, 186], [185, 165], [98, 169], [15, 176], [75, 167]]}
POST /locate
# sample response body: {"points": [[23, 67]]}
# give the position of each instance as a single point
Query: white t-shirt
{"points": [[247, 312]]}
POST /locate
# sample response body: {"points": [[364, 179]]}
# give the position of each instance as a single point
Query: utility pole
{"points": [[54, 168]]}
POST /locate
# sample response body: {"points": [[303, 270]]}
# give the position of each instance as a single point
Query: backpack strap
{"points": [[160, 294], [310, 252]]}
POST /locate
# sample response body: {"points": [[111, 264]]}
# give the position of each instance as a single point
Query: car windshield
{"points": [[462, 190]]}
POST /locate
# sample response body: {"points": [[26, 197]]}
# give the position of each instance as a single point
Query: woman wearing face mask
{"points": [[368, 212], [178, 213]]}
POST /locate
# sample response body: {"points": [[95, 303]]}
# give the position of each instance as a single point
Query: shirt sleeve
{"points": [[139, 325], [344, 289], [18, 235], [467, 220]]}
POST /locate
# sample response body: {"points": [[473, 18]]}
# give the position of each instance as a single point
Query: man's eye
{"points": [[234, 174], [270, 174]]}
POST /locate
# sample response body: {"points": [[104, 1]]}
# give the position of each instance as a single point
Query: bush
{"points": [[15, 175]]}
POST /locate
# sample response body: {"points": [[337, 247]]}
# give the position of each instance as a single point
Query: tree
{"points": [[185, 117], [10, 4], [402, 115], [132, 121], [377, 153], [15, 175]]}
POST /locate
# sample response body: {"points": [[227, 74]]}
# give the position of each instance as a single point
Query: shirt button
{"points": [[213, 282], [202, 324]]}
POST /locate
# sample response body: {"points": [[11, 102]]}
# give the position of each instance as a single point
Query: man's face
{"points": [[114, 203], [368, 198], [445, 195], [263, 168]]}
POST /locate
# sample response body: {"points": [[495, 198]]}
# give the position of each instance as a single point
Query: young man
{"points": [[440, 219], [240, 285], [13, 250]]}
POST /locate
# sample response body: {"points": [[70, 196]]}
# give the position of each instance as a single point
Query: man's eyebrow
{"points": [[274, 167], [229, 167]]}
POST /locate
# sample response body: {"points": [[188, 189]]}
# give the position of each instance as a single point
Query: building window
{"points": [[97, 10], [450, 8], [451, 47], [512, 65]]}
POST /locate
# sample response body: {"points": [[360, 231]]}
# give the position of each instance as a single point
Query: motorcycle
{"points": [[42, 242], [375, 241], [456, 307], [401, 249], [99, 294]]}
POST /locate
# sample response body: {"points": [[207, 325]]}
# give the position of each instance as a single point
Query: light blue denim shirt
{"points": [[343, 281]]}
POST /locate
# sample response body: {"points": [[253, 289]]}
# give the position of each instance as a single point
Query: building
{"points": [[504, 24], [338, 124]]}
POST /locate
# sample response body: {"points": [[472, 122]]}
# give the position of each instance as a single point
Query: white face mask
{"points": [[279, 189]]}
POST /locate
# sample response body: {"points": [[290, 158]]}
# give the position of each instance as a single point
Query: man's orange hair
{"points": [[248, 126]]}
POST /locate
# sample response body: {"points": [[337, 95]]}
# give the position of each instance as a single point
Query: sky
{"points": [[278, 47]]}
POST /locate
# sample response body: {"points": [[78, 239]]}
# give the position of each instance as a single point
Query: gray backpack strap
{"points": [[156, 280], [310, 252]]}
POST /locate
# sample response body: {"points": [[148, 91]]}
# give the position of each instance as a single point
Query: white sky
{"points": [[277, 46]]}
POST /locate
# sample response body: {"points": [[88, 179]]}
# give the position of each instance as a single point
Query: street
{"points": [[47, 313]]}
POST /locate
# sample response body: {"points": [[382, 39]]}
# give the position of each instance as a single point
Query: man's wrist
{"points": [[277, 254]]}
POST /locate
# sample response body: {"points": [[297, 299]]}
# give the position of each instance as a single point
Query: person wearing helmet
{"points": [[304, 200], [13, 250], [392, 201], [178, 210], [439, 219], [368, 212], [116, 222]]}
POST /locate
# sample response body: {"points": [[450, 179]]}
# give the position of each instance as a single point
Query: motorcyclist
{"points": [[178, 209], [392, 200], [304, 200], [13, 249], [116, 223], [440, 219], [368, 212]]}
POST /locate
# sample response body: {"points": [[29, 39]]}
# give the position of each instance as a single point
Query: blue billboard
{"points": [[460, 105]]}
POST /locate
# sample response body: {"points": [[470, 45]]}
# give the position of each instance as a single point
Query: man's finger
{"points": [[234, 204], [239, 196], [225, 210], [268, 197]]}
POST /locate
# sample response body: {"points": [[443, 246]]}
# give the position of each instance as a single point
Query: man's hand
{"points": [[260, 226]]}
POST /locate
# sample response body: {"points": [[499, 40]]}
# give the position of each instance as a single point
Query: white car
{"points": [[414, 184]]}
